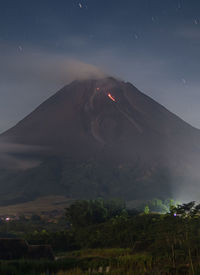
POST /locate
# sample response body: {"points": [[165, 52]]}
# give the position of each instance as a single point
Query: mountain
{"points": [[99, 137]]}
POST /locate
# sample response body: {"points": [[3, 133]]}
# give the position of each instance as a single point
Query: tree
{"points": [[186, 209], [87, 212], [146, 209], [156, 205]]}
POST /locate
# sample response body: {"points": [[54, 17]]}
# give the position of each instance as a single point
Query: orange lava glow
{"points": [[111, 97]]}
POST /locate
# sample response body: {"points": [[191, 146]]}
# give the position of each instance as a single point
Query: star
{"points": [[183, 80], [20, 48], [136, 36]]}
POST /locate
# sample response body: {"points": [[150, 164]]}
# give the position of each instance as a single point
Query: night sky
{"points": [[45, 44]]}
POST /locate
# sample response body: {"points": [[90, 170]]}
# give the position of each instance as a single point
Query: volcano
{"points": [[99, 137]]}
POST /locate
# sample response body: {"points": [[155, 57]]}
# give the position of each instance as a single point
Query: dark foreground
{"points": [[109, 239]]}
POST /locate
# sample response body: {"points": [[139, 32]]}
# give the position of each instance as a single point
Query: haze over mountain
{"points": [[99, 137]]}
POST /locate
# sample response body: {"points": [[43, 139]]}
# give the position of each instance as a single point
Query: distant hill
{"points": [[99, 138]]}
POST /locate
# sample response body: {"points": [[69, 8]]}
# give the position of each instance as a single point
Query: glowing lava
{"points": [[111, 97]]}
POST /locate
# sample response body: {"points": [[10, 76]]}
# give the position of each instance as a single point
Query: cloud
{"points": [[31, 64], [13, 156], [13, 163]]}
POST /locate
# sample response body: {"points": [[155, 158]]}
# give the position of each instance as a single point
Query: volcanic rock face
{"points": [[106, 123]]}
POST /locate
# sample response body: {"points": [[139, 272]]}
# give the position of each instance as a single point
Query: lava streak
{"points": [[111, 97]]}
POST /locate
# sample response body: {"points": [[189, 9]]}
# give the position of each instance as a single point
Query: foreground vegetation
{"points": [[105, 237]]}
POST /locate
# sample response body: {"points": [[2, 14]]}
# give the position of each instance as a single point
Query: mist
{"points": [[29, 78], [13, 156]]}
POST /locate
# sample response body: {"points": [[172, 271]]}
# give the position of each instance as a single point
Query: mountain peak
{"points": [[98, 112]]}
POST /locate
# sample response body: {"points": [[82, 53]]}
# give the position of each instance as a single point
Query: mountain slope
{"points": [[106, 125]]}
